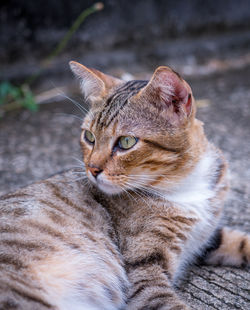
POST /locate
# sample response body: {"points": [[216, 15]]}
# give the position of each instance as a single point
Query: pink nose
{"points": [[95, 171]]}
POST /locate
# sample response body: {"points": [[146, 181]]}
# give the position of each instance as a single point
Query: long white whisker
{"points": [[153, 175], [149, 189], [127, 192], [78, 179], [134, 190], [79, 173], [70, 115], [77, 104], [77, 167], [79, 161], [148, 179], [142, 178]]}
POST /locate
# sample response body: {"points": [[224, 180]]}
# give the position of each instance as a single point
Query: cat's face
{"points": [[137, 135]]}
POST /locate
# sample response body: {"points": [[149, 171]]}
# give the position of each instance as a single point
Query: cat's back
{"points": [[57, 249]]}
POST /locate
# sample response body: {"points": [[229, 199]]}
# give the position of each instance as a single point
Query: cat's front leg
{"points": [[151, 288], [231, 248]]}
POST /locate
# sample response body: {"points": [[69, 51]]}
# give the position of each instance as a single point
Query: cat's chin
{"points": [[109, 189], [105, 186]]}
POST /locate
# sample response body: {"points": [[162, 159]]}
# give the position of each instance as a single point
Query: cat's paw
{"points": [[234, 249]]}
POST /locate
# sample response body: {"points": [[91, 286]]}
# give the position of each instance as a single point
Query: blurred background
{"points": [[208, 42]]}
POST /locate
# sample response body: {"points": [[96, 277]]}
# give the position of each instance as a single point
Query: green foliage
{"points": [[13, 97], [7, 90]]}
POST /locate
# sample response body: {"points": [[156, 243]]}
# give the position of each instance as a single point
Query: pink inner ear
{"points": [[178, 96]]}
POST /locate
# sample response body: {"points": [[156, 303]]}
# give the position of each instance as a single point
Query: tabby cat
{"points": [[152, 204]]}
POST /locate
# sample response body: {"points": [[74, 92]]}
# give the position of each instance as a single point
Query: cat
{"points": [[153, 203]]}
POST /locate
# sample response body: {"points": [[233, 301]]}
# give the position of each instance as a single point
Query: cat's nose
{"points": [[94, 170]]}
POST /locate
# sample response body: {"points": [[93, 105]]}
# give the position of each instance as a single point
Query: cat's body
{"points": [[155, 203], [57, 250]]}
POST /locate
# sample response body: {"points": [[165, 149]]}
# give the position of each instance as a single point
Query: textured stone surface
{"points": [[35, 146]]}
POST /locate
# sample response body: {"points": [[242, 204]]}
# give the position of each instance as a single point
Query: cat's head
{"points": [[137, 134]]}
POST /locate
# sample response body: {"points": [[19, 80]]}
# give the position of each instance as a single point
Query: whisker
{"points": [[126, 191], [70, 115], [148, 179], [75, 167], [77, 179], [142, 177], [140, 194], [155, 175], [79, 172], [79, 161], [132, 189], [77, 104], [146, 175], [149, 189]]}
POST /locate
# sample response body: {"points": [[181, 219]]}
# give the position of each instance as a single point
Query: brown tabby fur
{"points": [[48, 231], [154, 207]]}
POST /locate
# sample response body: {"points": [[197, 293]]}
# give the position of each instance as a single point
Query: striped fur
{"points": [[122, 241], [57, 250]]}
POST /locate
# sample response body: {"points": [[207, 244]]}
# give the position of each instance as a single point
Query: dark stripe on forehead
{"points": [[108, 105], [162, 147], [117, 101]]}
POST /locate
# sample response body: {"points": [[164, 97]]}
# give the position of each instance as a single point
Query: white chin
{"points": [[104, 185], [109, 189]]}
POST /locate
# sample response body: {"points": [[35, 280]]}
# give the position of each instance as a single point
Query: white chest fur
{"points": [[192, 197], [193, 192]]}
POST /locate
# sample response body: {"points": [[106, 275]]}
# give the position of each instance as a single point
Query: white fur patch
{"points": [[192, 198], [196, 189], [82, 281]]}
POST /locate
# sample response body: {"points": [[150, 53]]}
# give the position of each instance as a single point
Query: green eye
{"points": [[126, 143], [89, 136]]}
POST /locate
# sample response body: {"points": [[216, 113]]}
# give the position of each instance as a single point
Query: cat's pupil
{"points": [[126, 143]]}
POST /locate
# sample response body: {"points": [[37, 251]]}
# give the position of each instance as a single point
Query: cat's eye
{"points": [[89, 137], [126, 143]]}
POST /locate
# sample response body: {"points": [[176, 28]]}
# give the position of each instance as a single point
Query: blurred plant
{"points": [[15, 97]]}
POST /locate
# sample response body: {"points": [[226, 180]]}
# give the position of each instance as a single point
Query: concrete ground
{"points": [[34, 146]]}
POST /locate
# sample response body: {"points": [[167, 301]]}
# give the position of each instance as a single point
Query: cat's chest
{"points": [[195, 192]]}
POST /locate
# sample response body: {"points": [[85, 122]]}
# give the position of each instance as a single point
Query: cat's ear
{"points": [[94, 84], [171, 93]]}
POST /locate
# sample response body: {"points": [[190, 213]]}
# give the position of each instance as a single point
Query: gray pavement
{"points": [[34, 146]]}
